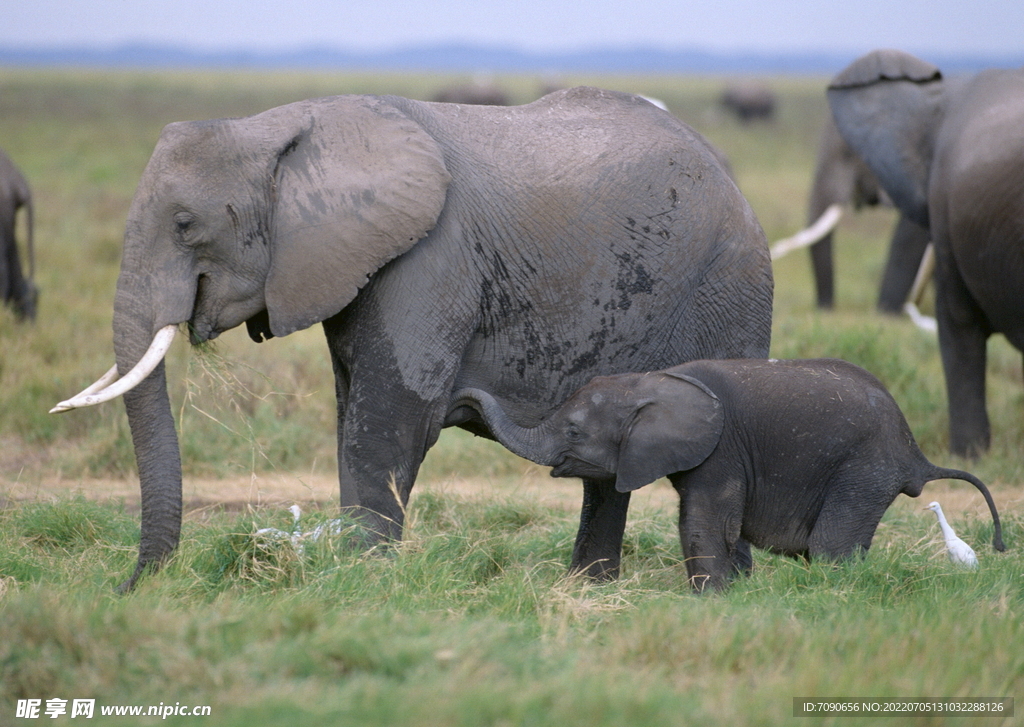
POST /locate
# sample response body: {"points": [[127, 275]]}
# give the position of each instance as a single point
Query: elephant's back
{"points": [[567, 129], [811, 399], [600, 236]]}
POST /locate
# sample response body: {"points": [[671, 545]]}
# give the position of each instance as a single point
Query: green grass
{"points": [[469, 621]]}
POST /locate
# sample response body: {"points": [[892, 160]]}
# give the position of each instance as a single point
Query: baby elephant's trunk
{"points": [[941, 473]]}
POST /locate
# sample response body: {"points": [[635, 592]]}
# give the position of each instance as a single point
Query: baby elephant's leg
{"points": [[742, 559], [847, 521], [709, 528], [598, 548]]}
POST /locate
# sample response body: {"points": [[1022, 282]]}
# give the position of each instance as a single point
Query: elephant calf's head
{"points": [[637, 428]]}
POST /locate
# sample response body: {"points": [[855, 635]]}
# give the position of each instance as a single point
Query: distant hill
{"points": [[465, 58]]}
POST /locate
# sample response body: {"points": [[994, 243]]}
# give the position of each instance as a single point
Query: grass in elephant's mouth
{"points": [[472, 620]]}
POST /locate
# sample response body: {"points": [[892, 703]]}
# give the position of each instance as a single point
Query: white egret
{"points": [[298, 538], [295, 535], [960, 553]]}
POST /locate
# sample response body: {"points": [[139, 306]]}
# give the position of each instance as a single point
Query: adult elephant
{"points": [[16, 288], [749, 101], [948, 152], [474, 92], [842, 178], [518, 250]]}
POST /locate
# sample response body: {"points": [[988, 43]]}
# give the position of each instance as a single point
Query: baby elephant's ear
{"points": [[676, 426]]}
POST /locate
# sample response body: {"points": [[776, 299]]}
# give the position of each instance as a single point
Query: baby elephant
{"points": [[799, 457]]}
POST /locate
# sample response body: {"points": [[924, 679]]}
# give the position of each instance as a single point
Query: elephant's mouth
{"points": [[201, 331], [219, 307], [201, 326], [570, 466], [560, 469]]}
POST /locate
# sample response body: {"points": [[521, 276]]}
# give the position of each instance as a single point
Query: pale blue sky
{"points": [[987, 27]]}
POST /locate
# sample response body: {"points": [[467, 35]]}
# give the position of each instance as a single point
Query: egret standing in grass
{"points": [[334, 527], [295, 535], [960, 553]]}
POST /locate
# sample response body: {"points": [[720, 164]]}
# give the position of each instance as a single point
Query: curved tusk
{"points": [[103, 382], [925, 323], [810, 235], [104, 390], [924, 274]]}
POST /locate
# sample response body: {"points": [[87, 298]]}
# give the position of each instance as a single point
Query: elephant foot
{"points": [[601, 571], [969, 446]]}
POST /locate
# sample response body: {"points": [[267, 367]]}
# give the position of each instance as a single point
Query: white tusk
{"points": [[810, 235], [104, 390], [924, 274], [104, 381], [925, 323]]}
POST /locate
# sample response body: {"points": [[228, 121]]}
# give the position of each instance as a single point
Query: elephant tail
{"points": [[943, 473]]}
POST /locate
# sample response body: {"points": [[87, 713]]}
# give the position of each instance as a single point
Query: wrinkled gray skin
{"points": [[841, 177], [800, 457], [517, 250], [16, 289], [948, 152]]}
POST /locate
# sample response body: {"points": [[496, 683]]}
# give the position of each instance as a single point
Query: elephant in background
{"points": [[842, 178], [749, 101], [948, 152], [516, 250], [16, 288], [478, 91], [800, 457]]}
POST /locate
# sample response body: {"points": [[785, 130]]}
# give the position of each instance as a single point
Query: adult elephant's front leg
{"points": [[906, 249], [598, 549], [381, 444], [384, 431], [822, 264]]}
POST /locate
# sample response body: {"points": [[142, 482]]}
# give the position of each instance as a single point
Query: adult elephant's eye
{"points": [[183, 224]]}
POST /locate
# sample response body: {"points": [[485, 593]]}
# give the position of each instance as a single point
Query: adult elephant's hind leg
{"points": [[598, 549], [963, 334]]}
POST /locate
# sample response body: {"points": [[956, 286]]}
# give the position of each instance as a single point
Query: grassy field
{"points": [[471, 620]]}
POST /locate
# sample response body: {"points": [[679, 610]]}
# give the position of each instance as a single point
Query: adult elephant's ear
{"points": [[887, 106], [357, 183], [674, 428]]}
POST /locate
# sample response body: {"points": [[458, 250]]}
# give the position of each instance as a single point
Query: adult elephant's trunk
{"points": [[537, 444], [153, 436], [147, 308]]}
